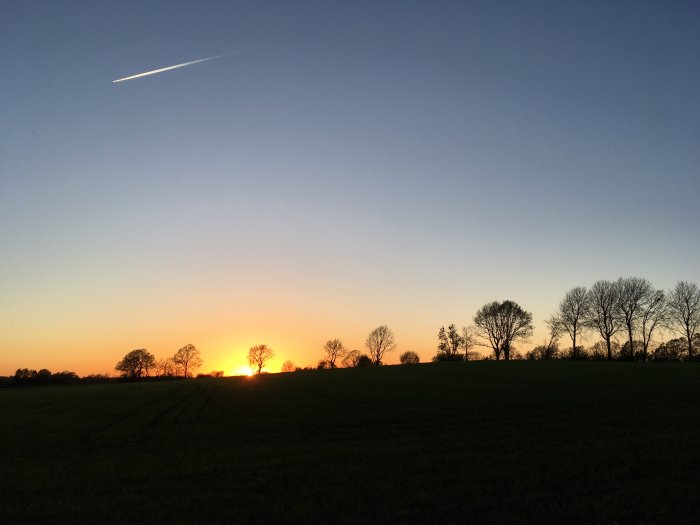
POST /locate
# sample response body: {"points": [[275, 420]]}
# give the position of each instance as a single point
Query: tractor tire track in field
{"points": [[198, 415], [192, 403], [142, 409]]}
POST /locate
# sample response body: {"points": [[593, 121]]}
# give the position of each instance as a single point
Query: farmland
{"points": [[483, 442]]}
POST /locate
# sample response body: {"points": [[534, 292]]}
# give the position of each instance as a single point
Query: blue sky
{"points": [[349, 164]]}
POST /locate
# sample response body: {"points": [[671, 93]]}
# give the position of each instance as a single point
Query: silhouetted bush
{"points": [[579, 355], [25, 377], [673, 350], [543, 353], [442, 357], [409, 358], [364, 360]]}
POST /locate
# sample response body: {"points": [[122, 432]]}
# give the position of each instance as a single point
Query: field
{"points": [[483, 442]]}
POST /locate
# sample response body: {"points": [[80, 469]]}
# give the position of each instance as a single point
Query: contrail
{"points": [[155, 71]]}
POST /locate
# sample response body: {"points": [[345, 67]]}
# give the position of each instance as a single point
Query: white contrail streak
{"points": [[155, 71]]}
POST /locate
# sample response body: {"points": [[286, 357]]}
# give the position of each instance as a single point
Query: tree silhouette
{"points": [[334, 350], [166, 367], [468, 340], [633, 291], [351, 359], [653, 314], [288, 366], [684, 311], [364, 361], [571, 314], [259, 356], [188, 358], [136, 364], [501, 324], [409, 358], [603, 313], [379, 342], [449, 343]]}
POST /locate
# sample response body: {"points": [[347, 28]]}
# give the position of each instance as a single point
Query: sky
{"points": [[344, 165]]}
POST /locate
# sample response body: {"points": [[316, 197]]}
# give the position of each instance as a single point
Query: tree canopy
{"points": [[137, 363], [259, 356], [379, 342], [501, 324]]}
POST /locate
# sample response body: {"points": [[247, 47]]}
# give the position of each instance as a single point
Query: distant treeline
{"points": [[27, 377], [629, 306], [44, 377]]}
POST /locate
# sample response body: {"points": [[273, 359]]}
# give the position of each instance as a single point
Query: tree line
{"points": [[140, 363], [633, 307], [630, 306]]}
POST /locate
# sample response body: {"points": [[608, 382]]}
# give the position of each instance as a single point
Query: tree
{"points": [[631, 352], [603, 314], [653, 315], [259, 356], [334, 350], [571, 314], [166, 367], [449, 343], [468, 340], [599, 351], [288, 366], [136, 364], [684, 311], [501, 324], [409, 358], [548, 350], [634, 292], [351, 359], [379, 342], [672, 350], [188, 358]]}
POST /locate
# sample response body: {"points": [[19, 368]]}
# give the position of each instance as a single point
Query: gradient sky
{"points": [[349, 164]]}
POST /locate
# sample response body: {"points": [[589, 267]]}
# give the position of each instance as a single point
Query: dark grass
{"points": [[483, 442]]}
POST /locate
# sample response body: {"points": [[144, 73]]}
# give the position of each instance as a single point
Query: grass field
{"points": [[482, 442]]}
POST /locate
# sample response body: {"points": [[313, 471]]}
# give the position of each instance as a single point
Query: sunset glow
{"points": [[243, 371], [342, 171]]}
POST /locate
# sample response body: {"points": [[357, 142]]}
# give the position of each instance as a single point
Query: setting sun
{"points": [[243, 371]]}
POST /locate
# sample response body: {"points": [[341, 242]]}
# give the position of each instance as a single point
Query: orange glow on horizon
{"points": [[243, 371]]}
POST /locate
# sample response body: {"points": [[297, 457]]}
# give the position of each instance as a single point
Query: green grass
{"points": [[483, 442]]}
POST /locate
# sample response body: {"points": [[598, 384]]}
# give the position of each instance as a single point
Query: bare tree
{"points": [[188, 358], [634, 291], [570, 315], [603, 314], [288, 366], [501, 324], [166, 367], [259, 356], [653, 315], [684, 311], [468, 340], [136, 364], [379, 342], [351, 359], [334, 350]]}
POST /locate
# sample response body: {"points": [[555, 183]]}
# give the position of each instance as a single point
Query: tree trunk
{"points": [[629, 332], [607, 342], [573, 340], [690, 344]]}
